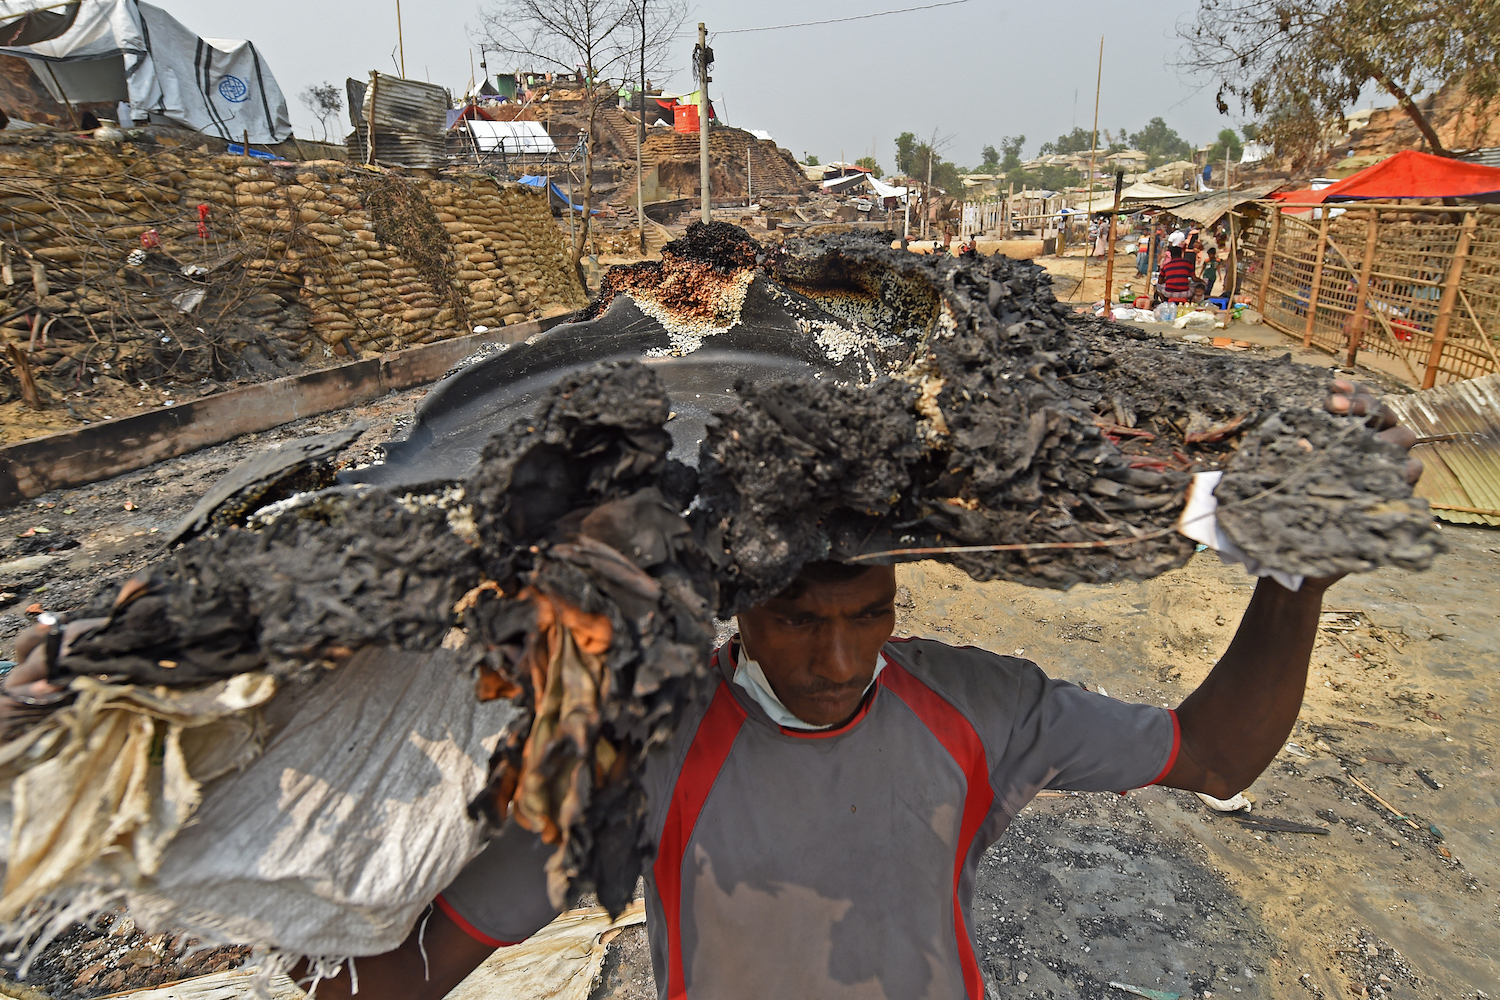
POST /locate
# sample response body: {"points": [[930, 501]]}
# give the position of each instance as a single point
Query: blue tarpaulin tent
{"points": [[557, 192]]}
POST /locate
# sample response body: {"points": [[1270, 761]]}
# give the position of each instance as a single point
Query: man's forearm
{"points": [[1238, 718]]}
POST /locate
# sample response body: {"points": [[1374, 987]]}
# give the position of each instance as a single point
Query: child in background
{"points": [[1210, 270]]}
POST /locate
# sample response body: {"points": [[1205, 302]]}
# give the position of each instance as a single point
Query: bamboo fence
{"points": [[1430, 277]]}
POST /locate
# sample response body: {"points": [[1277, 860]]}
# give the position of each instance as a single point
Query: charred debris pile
{"points": [[579, 568]]}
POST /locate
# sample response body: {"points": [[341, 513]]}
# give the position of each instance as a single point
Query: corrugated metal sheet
{"points": [[1204, 209], [1489, 156], [406, 119], [1211, 207], [1464, 470]]}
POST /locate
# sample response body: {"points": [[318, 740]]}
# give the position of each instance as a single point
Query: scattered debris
{"points": [[1397, 813], [1141, 991], [1236, 803], [1274, 825]]}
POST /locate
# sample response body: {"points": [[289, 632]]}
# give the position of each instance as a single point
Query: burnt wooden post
{"points": [[1450, 297], [1317, 280], [1362, 290], [1265, 265]]}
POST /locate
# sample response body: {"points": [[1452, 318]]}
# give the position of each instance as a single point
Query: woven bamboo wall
{"points": [[1431, 277]]}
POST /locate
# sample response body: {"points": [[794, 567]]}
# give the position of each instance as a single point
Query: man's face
{"points": [[818, 649]]}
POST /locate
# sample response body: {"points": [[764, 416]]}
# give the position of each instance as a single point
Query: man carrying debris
{"points": [[820, 820]]}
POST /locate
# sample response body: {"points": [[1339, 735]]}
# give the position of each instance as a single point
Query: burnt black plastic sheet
{"points": [[483, 396]]}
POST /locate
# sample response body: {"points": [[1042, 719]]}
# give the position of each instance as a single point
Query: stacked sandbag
{"points": [[304, 231]]}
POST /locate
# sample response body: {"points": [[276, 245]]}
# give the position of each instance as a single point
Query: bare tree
{"points": [[596, 37], [927, 157], [325, 101], [1296, 65], [653, 25]]}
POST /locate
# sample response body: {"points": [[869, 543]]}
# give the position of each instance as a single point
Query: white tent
{"points": [[511, 137], [885, 190], [131, 52]]}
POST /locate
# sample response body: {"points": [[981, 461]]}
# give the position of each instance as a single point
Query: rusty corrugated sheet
{"points": [[1464, 470], [1210, 208], [406, 120]]}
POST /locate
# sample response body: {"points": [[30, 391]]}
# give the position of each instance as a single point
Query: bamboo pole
{"points": [[1445, 305], [1093, 150], [640, 140], [1317, 281], [1109, 252], [703, 121], [1265, 267], [1362, 290], [400, 39], [1231, 259], [1484, 338], [1488, 511]]}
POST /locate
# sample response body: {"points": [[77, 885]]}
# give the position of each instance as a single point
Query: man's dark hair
{"points": [[1174, 252], [823, 571], [1213, 252]]}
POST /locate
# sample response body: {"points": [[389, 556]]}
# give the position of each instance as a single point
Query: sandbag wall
{"points": [[379, 260]]}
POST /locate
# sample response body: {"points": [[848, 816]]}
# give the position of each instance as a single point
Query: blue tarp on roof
{"points": [[535, 181]]}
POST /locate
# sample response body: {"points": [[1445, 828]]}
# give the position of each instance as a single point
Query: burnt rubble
{"points": [[578, 569], [1070, 439]]}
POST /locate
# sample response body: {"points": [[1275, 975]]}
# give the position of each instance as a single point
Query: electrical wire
{"points": [[837, 20]]}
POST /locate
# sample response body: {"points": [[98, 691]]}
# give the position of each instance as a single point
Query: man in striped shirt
{"points": [[1176, 276]]}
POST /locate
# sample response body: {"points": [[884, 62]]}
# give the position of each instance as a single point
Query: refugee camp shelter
{"points": [[512, 137], [1408, 267], [127, 52]]}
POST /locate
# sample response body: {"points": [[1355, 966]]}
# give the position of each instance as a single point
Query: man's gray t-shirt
{"points": [[841, 863]]}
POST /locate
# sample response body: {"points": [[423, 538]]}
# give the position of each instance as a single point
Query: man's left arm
{"points": [[1234, 724], [1236, 721]]}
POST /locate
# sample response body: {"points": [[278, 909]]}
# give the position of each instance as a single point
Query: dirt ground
{"points": [[1150, 889]]}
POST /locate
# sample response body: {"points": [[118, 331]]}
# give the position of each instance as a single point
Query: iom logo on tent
{"points": [[233, 89]]}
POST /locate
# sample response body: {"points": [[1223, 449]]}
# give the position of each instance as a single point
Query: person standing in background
{"points": [[1210, 270]]}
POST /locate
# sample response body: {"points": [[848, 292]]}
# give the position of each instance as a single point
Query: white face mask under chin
{"points": [[749, 676]]}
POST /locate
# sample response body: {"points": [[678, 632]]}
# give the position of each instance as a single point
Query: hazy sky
{"points": [[976, 71]]}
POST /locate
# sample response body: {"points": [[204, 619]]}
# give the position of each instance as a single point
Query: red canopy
{"points": [[1408, 174]]}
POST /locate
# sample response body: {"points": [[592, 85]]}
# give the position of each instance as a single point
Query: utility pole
{"points": [[703, 60], [400, 39]]}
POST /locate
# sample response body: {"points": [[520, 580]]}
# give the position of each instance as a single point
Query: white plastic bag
{"points": [[351, 821], [329, 842]]}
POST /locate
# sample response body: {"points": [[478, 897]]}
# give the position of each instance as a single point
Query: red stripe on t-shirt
{"points": [[958, 737], [468, 928], [823, 734], [705, 758], [1176, 746]]}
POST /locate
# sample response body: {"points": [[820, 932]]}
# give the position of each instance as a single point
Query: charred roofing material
{"points": [[304, 464], [577, 568]]}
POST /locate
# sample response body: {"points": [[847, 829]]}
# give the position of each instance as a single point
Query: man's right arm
{"points": [[433, 959]]}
